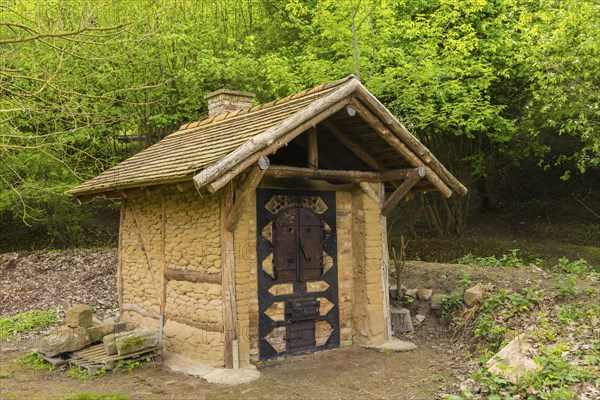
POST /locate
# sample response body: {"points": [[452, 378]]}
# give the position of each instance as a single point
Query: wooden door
{"points": [[297, 272]]}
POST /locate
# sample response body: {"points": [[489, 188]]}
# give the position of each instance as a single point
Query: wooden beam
{"points": [[120, 256], [195, 277], [412, 142], [354, 147], [438, 183], [389, 136], [228, 276], [399, 193], [369, 191], [277, 135], [395, 142], [248, 187], [313, 149], [203, 326], [163, 261], [385, 264], [285, 171], [232, 172]]}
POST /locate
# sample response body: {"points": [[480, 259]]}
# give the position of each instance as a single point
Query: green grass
{"points": [[36, 361], [30, 321]]}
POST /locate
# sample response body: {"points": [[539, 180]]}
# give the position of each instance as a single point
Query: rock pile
{"points": [[403, 321], [81, 329]]}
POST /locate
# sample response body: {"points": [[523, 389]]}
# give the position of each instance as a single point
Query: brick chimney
{"points": [[224, 100]]}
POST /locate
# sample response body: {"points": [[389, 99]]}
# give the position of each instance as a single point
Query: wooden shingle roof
{"points": [[216, 147], [199, 144]]}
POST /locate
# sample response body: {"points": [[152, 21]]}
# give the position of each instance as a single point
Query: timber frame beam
{"points": [[247, 189], [284, 171], [402, 190], [400, 147]]}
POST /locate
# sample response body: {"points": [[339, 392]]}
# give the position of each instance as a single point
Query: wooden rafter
{"points": [[413, 143], [313, 148], [395, 142]]}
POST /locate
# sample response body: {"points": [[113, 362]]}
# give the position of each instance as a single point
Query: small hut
{"points": [[260, 231]]}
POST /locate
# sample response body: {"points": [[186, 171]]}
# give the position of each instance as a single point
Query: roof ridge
{"points": [[263, 106]]}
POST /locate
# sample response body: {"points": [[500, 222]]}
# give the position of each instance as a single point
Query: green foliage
{"points": [[485, 85], [30, 321], [510, 259], [568, 352], [4, 375], [579, 267], [388, 352], [36, 361], [465, 280], [566, 287], [78, 373], [130, 365], [452, 302]]}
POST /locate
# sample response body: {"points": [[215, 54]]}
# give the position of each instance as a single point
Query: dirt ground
{"points": [[337, 374], [436, 367]]}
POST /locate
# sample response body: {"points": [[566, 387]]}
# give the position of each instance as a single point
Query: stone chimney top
{"points": [[224, 100]]}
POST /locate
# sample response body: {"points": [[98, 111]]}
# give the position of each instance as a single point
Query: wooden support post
{"points": [[399, 193], [228, 276], [163, 262], [248, 187], [120, 257], [313, 149], [385, 263]]}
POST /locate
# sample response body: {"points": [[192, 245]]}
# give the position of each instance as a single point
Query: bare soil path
{"points": [[349, 373]]}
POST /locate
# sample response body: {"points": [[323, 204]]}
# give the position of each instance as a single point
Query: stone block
{"points": [[473, 295], [98, 330], [419, 318], [136, 340], [80, 315], [424, 294], [411, 292], [436, 301], [63, 340], [401, 321], [512, 361]]}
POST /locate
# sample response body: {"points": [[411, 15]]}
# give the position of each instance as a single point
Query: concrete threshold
{"points": [[393, 344], [232, 377]]}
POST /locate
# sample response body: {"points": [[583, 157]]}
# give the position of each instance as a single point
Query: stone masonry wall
{"points": [[367, 238], [193, 311], [345, 266]]}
